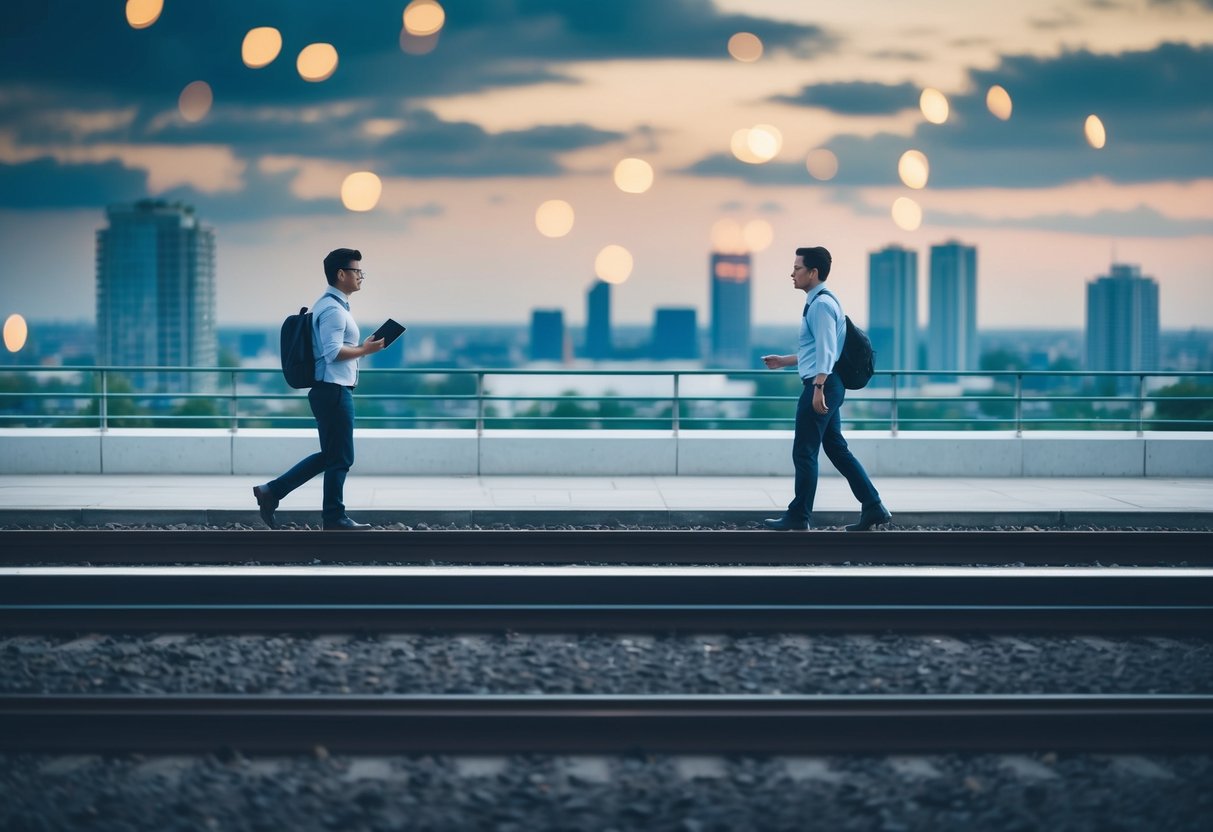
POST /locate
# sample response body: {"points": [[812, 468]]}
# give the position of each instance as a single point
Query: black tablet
{"points": [[389, 332]]}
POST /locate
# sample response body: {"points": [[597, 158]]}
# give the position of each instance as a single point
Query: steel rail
{"points": [[744, 547], [497, 724], [721, 598]]}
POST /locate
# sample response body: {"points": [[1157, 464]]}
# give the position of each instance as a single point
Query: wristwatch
{"points": [[819, 386]]}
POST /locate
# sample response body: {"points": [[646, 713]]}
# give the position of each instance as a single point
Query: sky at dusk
{"points": [[517, 102]]}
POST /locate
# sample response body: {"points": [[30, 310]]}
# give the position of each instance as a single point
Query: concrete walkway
{"points": [[649, 500]]}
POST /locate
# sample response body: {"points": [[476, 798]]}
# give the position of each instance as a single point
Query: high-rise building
{"points": [[547, 335], [893, 307], [1122, 320], [952, 333], [675, 333], [598, 321], [156, 289], [731, 309]]}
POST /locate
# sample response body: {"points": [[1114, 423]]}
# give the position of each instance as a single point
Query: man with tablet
{"points": [[336, 349]]}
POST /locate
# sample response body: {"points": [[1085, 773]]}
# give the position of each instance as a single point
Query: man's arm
{"points": [[774, 362], [369, 346]]}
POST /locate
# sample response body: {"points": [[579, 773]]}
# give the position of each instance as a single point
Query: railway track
{"points": [[621, 598], [502, 724], [1051, 548]]}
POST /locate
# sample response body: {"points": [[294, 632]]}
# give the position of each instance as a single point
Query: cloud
{"points": [[856, 97], [89, 48], [1156, 105], [47, 183], [431, 148], [1141, 221], [772, 173]]}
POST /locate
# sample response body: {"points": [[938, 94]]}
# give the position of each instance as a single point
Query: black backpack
{"points": [[857, 361], [298, 363]]}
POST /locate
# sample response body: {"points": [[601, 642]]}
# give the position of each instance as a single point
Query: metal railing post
{"points": [[233, 404], [894, 419], [102, 407], [1141, 404], [677, 404], [1018, 405], [479, 404]]}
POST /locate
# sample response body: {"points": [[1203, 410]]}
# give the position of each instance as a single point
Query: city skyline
{"points": [[517, 106]]}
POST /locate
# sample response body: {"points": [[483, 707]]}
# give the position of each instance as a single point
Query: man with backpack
{"points": [[336, 351], [823, 333]]}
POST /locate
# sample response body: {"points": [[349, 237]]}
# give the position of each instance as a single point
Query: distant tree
{"points": [[1182, 402], [1003, 359], [200, 413]]}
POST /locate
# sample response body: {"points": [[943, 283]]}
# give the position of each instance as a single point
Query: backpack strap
{"points": [[819, 294]]}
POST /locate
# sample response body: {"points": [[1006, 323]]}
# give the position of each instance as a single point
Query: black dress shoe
{"points": [[869, 517], [783, 524], [266, 503], [344, 524]]}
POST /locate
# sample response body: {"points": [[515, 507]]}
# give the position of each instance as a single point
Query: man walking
{"points": [[336, 350], [823, 329]]}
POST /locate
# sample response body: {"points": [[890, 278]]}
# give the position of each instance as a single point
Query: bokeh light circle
{"points": [[740, 145], [914, 169], [764, 141], [195, 101], [998, 101], [613, 264], [143, 13], [554, 218], [15, 333], [1097, 136], [757, 235], [423, 17], [934, 105], [633, 176], [361, 191], [821, 164], [745, 47], [260, 47], [317, 62], [728, 237], [907, 214]]}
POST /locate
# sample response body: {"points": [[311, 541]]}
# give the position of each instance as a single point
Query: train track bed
{"points": [[597, 663], [663, 792], [640, 547]]}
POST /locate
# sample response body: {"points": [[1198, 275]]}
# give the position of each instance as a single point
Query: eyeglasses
{"points": [[361, 273]]}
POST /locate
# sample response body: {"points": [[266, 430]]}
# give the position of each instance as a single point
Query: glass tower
{"points": [[731, 309], [1122, 321], [547, 335], [675, 333], [893, 307], [598, 322], [156, 288], [952, 334]]}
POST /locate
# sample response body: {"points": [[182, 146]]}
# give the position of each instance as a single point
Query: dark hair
{"points": [[816, 257], [339, 258]]}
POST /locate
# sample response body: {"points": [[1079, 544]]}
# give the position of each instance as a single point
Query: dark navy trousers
{"points": [[333, 407], [814, 432]]}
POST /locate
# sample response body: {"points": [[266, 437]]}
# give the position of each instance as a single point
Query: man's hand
{"points": [[819, 401], [773, 362], [372, 345]]}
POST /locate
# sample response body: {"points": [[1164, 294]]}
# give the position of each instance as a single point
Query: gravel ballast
{"points": [[516, 663], [989, 792]]}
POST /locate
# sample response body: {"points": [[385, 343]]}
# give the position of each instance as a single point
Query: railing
{"points": [[243, 397]]}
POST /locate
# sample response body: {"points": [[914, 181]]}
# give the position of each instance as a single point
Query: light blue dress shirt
{"points": [[334, 328], [823, 329]]}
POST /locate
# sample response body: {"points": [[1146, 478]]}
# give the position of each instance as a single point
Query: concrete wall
{"points": [[691, 453]]}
